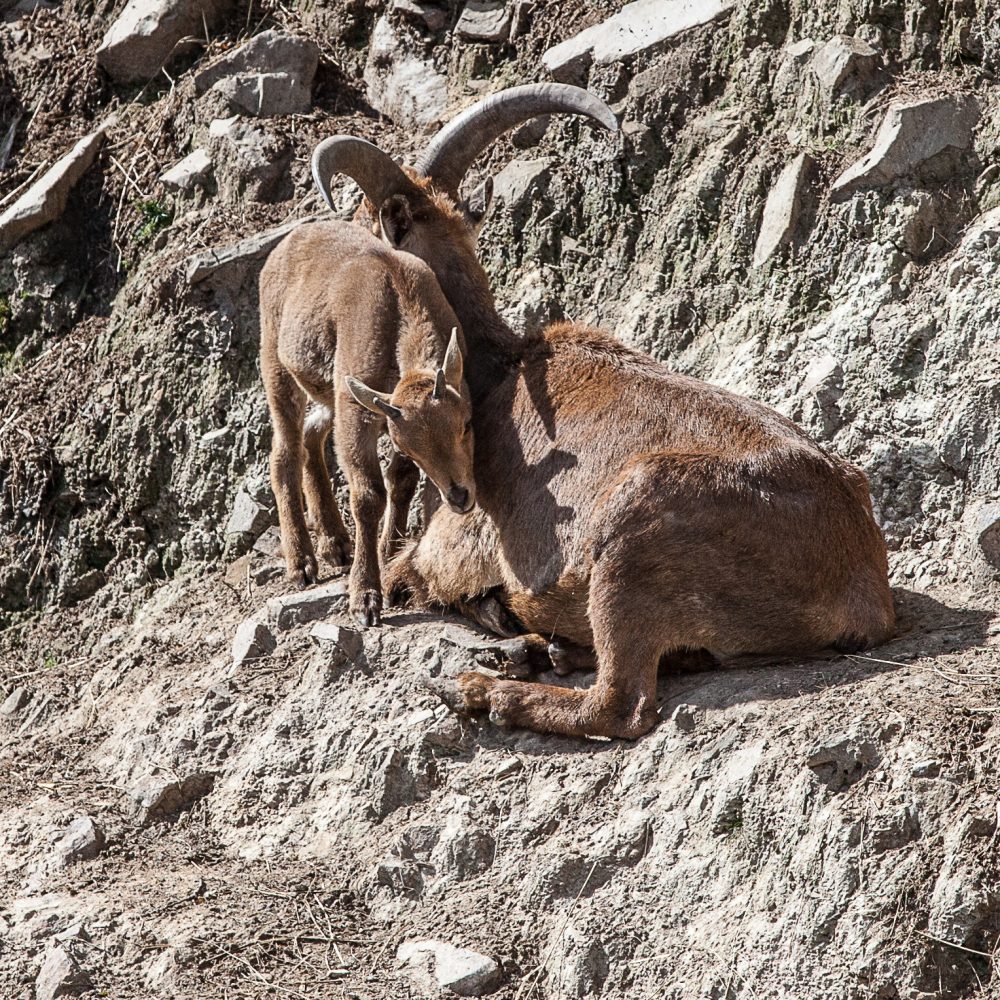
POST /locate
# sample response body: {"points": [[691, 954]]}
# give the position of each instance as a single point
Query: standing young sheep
{"points": [[365, 333]]}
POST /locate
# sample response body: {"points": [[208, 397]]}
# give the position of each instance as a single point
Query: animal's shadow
{"points": [[925, 627]]}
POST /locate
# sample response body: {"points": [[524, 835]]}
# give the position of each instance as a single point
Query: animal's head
{"points": [[430, 420], [421, 210]]}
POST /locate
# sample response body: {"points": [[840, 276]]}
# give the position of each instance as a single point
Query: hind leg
{"points": [[333, 541], [287, 403], [401, 478]]}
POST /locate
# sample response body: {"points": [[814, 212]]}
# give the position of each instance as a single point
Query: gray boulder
{"points": [[145, 36], [268, 76]]}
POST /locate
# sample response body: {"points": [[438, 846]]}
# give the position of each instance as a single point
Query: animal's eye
{"points": [[468, 427]]}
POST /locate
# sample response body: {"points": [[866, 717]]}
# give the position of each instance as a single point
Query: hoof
{"points": [[336, 551], [494, 615], [500, 720], [561, 662], [368, 611], [302, 572]]}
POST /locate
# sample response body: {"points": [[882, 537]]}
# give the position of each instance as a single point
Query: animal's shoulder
{"points": [[597, 346]]}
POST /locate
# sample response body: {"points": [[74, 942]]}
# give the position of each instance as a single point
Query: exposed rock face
{"points": [[820, 828], [145, 36]]}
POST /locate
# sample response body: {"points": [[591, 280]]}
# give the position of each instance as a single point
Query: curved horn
{"points": [[374, 171], [453, 150]]}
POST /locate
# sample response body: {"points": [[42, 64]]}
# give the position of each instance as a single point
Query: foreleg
{"points": [[357, 436]]}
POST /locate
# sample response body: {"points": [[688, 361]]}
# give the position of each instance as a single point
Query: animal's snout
{"points": [[459, 499]]}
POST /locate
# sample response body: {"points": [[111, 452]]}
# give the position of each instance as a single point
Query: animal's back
{"points": [[604, 438]]}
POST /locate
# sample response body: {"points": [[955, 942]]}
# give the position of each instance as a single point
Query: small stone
{"points": [[249, 516], [45, 200], [824, 378], [82, 841], [16, 700], [253, 641], [910, 135], [844, 63], [433, 18], [781, 211], [637, 27], [435, 966], [516, 184], [157, 799], [348, 640], [484, 21], [685, 718], [185, 175], [269, 543], [310, 605], [145, 36], [264, 95], [508, 768], [986, 529], [464, 850], [60, 975], [800, 49], [530, 133], [926, 769], [219, 127], [842, 759]]}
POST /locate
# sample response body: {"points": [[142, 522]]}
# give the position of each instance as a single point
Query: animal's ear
{"points": [[377, 402], [395, 218], [453, 361], [439, 384], [479, 203]]}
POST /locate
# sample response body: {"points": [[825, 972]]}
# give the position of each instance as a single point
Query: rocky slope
{"points": [[803, 204]]}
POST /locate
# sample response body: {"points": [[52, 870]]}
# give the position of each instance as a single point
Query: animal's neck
{"points": [[423, 340], [426, 322], [492, 348]]}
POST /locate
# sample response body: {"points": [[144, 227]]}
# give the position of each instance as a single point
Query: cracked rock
{"points": [[910, 135], [310, 605], [60, 975]]}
